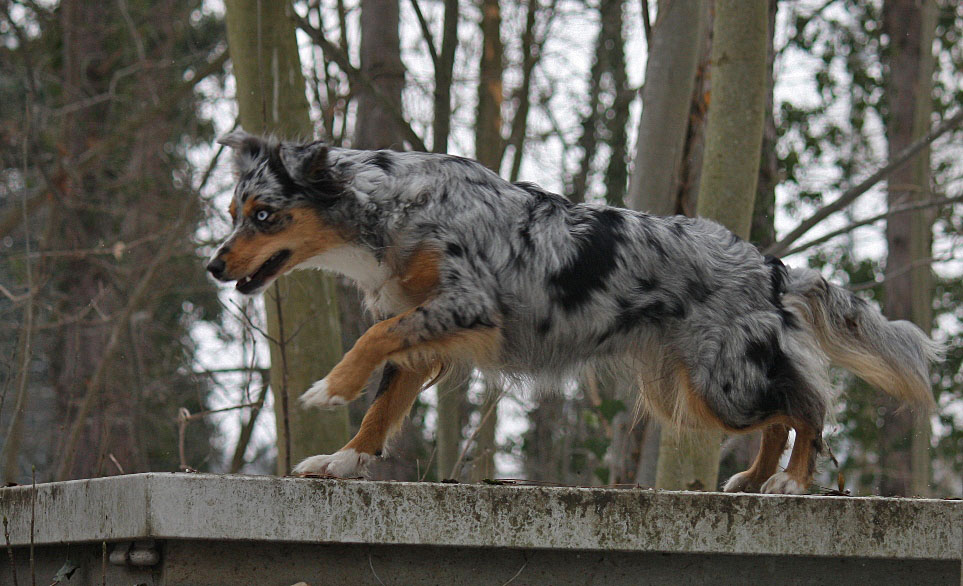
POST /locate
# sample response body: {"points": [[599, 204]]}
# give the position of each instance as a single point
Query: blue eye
{"points": [[261, 215]]}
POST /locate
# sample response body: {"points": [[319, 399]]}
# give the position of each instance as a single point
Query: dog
{"points": [[463, 267]]}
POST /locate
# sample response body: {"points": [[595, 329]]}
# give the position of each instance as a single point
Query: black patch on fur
{"points": [[777, 283], [633, 314], [697, 290], [651, 240], [288, 186], [383, 160], [455, 250], [785, 390], [387, 375], [644, 285], [544, 326], [594, 260]]}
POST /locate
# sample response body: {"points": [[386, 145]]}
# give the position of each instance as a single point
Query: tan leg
{"points": [[770, 450], [390, 339], [398, 390], [388, 411], [799, 474]]}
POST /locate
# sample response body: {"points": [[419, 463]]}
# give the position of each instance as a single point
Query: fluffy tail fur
{"points": [[892, 355]]}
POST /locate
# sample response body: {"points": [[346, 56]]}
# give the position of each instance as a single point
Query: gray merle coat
{"points": [[464, 267]]}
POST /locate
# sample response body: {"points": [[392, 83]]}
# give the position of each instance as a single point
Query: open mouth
{"points": [[258, 278]]}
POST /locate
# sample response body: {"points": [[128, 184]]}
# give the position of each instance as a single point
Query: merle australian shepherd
{"points": [[462, 267]]}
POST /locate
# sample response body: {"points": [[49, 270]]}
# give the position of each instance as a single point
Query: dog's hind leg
{"points": [[799, 473], [770, 450], [396, 394]]}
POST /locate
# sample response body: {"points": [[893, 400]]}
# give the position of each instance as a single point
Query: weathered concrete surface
{"points": [[199, 520]]}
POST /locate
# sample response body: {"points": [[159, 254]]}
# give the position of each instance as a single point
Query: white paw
{"points": [[742, 482], [343, 464], [782, 483], [318, 396]]}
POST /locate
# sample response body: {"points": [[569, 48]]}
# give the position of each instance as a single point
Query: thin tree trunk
{"points": [[271, 98], [488, 151], [443, 79], [727, 188], [488, 124], [908, 61], [669, 80]]}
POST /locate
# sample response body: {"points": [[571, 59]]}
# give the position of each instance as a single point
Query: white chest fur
{"points": [[383, 293]]}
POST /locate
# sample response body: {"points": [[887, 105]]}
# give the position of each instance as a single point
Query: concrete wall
{"points": [[204, 529]]}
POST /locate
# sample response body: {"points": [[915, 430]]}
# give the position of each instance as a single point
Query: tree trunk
{"points": [[908, 62], [727, 188], [488, 151], [669, 80], [443, 78], [271, 98], [488, 124]]}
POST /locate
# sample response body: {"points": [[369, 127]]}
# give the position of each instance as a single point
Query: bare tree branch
{"points": [[426, 33], [850, 195], [646, 22], [355, 75], [872, 219]]}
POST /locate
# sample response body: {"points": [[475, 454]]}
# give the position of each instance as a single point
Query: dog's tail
{"points": [[895, 356]]}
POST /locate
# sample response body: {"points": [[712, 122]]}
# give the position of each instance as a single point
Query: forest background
{"points": [[118, 354]]}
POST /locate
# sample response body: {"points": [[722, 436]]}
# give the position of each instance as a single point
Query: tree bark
{"points": [[443, 79], [908, 63], [727, 188], [271, 98], [488, 150], [670, 72], [488, 123]]}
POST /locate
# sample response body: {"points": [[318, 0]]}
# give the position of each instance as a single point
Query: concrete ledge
{"points": [[189, 507]]}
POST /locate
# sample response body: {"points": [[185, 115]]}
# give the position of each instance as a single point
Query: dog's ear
{"points": [[307, 164], [247, 148]]}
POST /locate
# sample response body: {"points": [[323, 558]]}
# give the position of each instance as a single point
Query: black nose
{"points": [[216, 268]]}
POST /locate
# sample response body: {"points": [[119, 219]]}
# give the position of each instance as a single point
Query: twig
{"points": [[247, 429], [850, 195], [646, 23], [426, 33], [471, 439], [113, 459], [431, 458], [13, 565], [184, 416], [375, 574], [517, 574], [33, 519], [282, 347], [103, 563], [902, 271], [250, 323], [15, 298], [872, 219]]}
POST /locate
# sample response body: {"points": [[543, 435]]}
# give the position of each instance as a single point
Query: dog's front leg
{"points": [[416, 342], [441, 329], [396, 394]]}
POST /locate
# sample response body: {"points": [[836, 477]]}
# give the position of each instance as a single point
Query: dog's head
{"points": [[278, 209]]}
